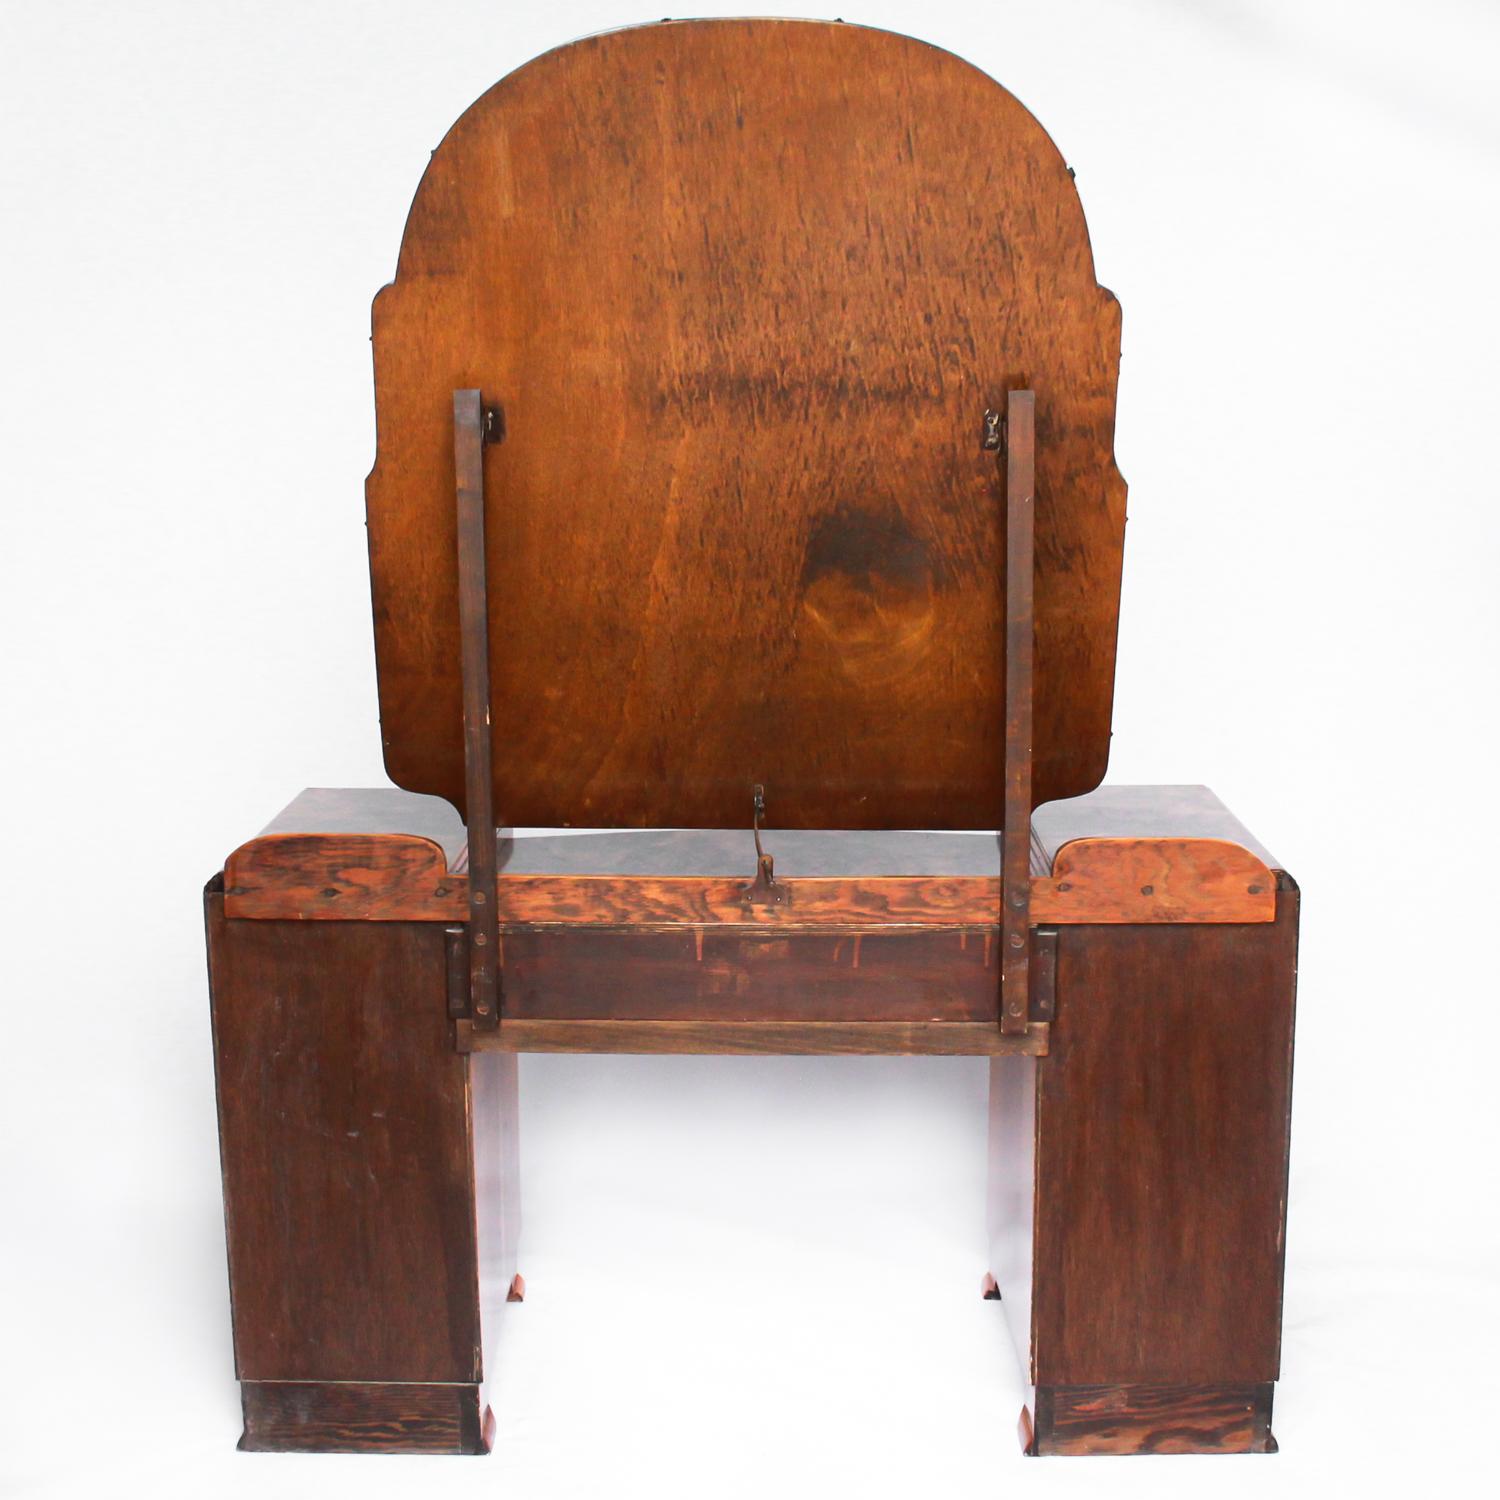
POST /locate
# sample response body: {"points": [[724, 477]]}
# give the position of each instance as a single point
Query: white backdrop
{"points": [[748, 1276]]}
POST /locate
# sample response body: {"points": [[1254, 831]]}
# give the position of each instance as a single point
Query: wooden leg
{"points": [[370, 1186], [1138, 1188]]}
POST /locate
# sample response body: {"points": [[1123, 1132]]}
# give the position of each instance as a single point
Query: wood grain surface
{"points": [[1126, 811], [1119, 810], [744, 290], [1154, 880], [1124, 1419], [388, 877], [1020, 684], [296, 1416], [337, 877], [1160, 1133], [799, 1038], [344, 1129], [597, 974]]}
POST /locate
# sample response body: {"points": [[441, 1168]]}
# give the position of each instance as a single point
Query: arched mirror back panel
{"points": [[744, 291]]}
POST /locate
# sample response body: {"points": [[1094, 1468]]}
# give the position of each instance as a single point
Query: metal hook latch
{"points": [[993, 438], [764, 889]]}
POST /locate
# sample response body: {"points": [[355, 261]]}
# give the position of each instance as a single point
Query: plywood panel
{"points": [[745, 289]]}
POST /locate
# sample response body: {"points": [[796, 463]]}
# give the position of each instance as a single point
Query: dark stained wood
{"points": [[745, 289], [349, 1196], [1015, 921], [710, 974], [713, 974], [1124, 1419], [328, 1417], [1161, 1131], [802, 1038], [1154, 880], [474, 658]]}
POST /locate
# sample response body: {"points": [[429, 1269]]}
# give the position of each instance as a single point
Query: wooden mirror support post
{"points": [[1019, 448], [750, 566], [474, 425]]}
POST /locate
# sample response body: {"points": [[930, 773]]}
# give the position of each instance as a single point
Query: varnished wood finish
{"points": [[801, 1038], [369, 1170], [341, 877], [1142, 881], [712, 974], [744, 289], [373, 809], [327, 1417], [334, 1071], [1158, 1138], [293, 880], [1114, 811], [388, 877], [1125, 1419], [1139, 812], [474, 659], [623, 901], [1015, 921]]}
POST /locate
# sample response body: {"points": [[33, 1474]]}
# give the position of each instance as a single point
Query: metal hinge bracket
{"points": [[1043, 974], [764, 890]]}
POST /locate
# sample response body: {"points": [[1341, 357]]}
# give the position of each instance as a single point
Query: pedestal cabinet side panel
{"points": [[1162, 1126], [344, 1135]]}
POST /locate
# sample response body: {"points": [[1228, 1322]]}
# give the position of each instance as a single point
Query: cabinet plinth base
{"points": [[302, 1416], [1119, 1419]]}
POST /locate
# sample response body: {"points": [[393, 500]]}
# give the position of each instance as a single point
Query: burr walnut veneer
{"points": [[745, 495]]}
